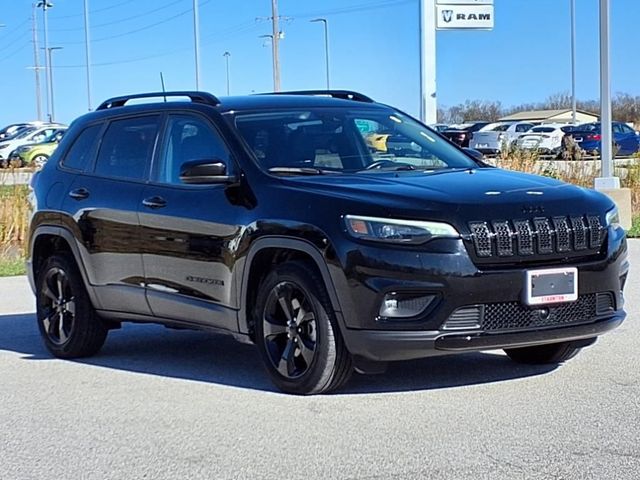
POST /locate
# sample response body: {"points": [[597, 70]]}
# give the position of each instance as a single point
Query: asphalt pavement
{"points": [[163, 404]]}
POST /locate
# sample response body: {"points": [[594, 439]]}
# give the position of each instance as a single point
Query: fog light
{"points": [[404, 305]]}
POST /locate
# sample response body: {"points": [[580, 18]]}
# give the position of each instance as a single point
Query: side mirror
{"points": [[475, 154], [205, 172]]}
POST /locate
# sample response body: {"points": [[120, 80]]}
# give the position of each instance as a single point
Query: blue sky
{"points": [[374, 49]]}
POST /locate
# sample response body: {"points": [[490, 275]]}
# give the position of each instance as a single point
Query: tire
{"points": [[297, 334], [68, 323], [544, 354], [39, 160]]}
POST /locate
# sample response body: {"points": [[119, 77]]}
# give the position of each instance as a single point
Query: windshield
{"points": [[346, 140], [25, 133]]}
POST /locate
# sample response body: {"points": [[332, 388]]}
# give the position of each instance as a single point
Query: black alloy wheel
{"points": [[59, 306], [289, 330]]}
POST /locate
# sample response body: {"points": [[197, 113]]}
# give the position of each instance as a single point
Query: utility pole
{"points": [[227, 55], [196, 40], [45, 5], [428, 101], [275, 45], [87, 49], [36, 60], [573, 62]]}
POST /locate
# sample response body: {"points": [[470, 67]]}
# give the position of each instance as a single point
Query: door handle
{"points": [[154, 202], [79, 193]]}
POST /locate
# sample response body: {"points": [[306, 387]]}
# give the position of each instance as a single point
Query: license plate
{"points": [[554, 285]]}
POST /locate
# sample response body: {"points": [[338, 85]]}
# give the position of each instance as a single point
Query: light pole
{"points": [[52, 115], [87, 50], [607, 179], [573, 62], [428, 101], [275, 45], [196, 41], [227, 56], [46, 5], [326, 47]]}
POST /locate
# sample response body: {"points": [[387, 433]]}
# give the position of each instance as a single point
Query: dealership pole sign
{"points": [[464, 14]]}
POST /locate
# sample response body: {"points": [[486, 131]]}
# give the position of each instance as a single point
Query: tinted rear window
{"points": [[127, 147], [79, 154]]}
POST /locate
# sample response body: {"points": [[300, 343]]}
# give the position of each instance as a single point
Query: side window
{"points": [[78, 155], [188, 138], [523, 127], [617, 128], [127, 147], [627, 129]]}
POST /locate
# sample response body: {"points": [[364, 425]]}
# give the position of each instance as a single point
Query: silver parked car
{"points": [[491, 138]]}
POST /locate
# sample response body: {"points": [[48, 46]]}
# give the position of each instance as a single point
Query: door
{"points": [[189, 232], [103, 203]]}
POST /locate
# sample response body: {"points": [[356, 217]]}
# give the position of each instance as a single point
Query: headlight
{"points": [[3, 146], [397, 231], [613, 218]]}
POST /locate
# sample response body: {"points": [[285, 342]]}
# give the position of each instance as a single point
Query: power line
{"points": [[140, 29], [98, 10], [15, 40], [116, 22], [14, 29], [15, 52]]}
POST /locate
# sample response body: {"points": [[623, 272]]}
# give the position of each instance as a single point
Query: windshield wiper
{"points": [[298, 171]]}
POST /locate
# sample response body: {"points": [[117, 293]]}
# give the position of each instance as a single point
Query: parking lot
{"points": [[168, 404]]}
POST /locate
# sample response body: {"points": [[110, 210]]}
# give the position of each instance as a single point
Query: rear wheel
{"points": [[297, 334], [544, 354], [68, 323]]}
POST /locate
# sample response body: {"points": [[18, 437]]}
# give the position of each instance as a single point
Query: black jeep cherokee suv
{"points": [[300, 222]]}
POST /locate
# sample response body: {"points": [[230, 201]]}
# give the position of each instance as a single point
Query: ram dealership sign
{"points": [[464, 14]]}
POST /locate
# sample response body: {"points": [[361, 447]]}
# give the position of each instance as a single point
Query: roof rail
{"points": [[342, 94], [195, 97]]}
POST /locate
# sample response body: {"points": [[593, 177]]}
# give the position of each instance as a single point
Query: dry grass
{"points": [[15, 211]]}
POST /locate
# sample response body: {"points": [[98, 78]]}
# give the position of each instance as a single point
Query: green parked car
{"points": [[36, 154]]}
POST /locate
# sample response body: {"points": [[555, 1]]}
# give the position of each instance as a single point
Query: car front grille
{"points": [[540, 236], [510, 316]]}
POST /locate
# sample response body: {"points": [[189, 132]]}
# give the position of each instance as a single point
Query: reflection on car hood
{"points": [[476, 192]]}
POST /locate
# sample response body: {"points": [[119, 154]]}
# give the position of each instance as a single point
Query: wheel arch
{"points": [[273, 250], [47, 240]]}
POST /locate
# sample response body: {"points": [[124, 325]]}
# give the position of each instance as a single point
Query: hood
{"points": [[480, 194]]}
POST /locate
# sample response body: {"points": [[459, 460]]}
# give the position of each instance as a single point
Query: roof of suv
{"points": [[268, 101]]}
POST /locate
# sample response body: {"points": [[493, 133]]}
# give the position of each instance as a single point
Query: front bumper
{"points": [[407, 345]]}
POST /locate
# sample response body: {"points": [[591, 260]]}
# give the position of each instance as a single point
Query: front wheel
{"points": [[297, 334], [544, 354], [40, 160]]}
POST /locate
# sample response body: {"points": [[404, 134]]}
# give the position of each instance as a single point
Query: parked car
{"points": [[545, 139], [267, 217], [11, 130], [461, 134], [37, 153], [491, 138], [439, 127], [588, 137], [26, 136]]}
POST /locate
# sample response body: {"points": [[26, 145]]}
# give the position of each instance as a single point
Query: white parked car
{"points": [[545, 139], [491, 138], [28, 135]]}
